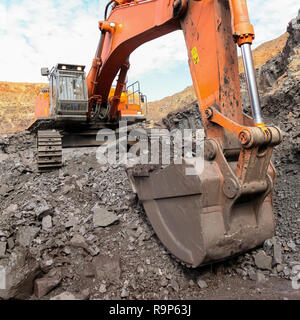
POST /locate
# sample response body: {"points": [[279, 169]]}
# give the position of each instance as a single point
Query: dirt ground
{"points": [[124, 260]]}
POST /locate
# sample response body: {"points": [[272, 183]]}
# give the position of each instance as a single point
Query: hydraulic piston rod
{"points": [[244, 36], [251, 83]]}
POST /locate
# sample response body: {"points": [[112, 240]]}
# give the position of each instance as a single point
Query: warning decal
{"points": [[195, 55]]}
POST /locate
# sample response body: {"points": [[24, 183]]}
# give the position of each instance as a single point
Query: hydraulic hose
{"points": [[106, 9]]}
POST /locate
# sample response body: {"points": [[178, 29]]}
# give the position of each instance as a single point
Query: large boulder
{"points": [[17, 274]]}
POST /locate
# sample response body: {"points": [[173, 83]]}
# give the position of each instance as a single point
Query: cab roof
{"points": [[65, 66]]}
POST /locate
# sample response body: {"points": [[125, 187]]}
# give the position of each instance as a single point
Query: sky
{"points": [[35, 34]]}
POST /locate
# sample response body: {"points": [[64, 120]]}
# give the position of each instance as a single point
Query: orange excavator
{"points": [[63, 119], [226, 208]]}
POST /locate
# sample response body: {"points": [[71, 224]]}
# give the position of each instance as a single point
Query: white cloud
{"points": [[36, 34], [160, 55], [41, 33], [271, 17]]}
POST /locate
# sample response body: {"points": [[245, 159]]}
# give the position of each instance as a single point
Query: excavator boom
{"points": [[207, 27]]}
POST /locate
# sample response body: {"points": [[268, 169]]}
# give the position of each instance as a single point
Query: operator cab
{"points": [[68, 92], [133, 104]]}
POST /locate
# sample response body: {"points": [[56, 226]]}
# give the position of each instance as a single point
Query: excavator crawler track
{"points": [[49, 150]]}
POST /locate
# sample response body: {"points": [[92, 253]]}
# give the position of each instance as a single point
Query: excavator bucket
{"points": [[208, 216]]}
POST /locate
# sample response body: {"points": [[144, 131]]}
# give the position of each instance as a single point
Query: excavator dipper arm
{"points": [[227, 208]]}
